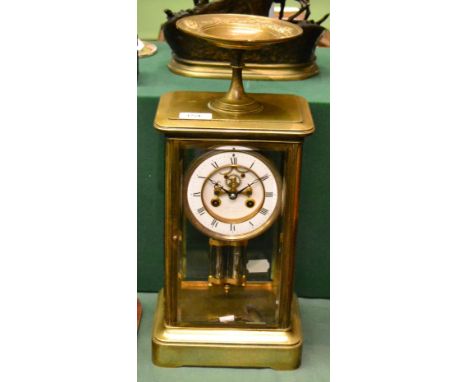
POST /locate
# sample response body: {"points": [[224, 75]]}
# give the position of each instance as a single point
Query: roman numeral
{"points": [[201, 177], [252, 164], [214, 223], [232, 228], [201, 211], [233, 159], [265, 177], [196, 194], [214, 164], [268, 194], [251, 223], [263, 211]]}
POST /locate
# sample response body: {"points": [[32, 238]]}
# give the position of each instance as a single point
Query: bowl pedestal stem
{"points": [[236, 101]]}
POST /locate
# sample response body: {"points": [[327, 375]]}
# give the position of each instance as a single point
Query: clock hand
{"points": [[255, 181], [238, 192], [219, 185], [222, 188]]}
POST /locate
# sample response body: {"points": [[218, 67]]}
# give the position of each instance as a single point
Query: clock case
{"points": [[184, 331]]}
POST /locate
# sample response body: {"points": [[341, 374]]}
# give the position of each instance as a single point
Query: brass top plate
{"points": [[237, 31], [284, 116]]}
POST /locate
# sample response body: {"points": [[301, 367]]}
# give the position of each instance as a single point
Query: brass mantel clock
{"points": [[232, 192]]}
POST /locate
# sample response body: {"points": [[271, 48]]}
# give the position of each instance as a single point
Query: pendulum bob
{"points": [[227, 262]]}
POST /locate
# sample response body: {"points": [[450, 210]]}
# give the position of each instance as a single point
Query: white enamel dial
{"points": [[232, 195]]}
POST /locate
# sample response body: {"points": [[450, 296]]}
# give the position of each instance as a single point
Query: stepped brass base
{"points": [[251, 71], [260, 348]]}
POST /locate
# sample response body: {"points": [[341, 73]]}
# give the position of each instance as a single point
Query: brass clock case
{"points": [[255, 321]]}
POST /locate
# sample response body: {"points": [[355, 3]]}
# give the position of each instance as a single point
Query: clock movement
{"points": [[233, 165]]}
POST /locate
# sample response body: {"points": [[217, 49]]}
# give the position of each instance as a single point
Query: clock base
{"points": [[226, 347]]}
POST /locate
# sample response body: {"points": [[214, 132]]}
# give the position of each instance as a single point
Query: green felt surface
{"points": [[315, 365], [312, 259], [151, 14]]}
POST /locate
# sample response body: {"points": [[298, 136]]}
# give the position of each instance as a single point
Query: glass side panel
{"points": [[231, 220]]}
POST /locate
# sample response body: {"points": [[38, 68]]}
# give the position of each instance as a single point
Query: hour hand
{"points": [[218, 187], [232, 194]]}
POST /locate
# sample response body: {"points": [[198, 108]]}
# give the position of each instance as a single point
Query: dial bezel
{"points": [[225, 237]]}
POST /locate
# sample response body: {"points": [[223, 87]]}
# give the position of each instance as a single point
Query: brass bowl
{"points": [[237, 31]]}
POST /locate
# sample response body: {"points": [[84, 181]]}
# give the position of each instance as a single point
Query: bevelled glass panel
{"points": [[224, 279]]}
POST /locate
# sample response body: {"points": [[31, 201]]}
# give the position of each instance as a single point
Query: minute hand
{"points": [[255, 181]]}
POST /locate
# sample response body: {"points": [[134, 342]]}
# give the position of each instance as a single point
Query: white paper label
{"points": [[258, 266], [195, 116], [229, 318]]}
